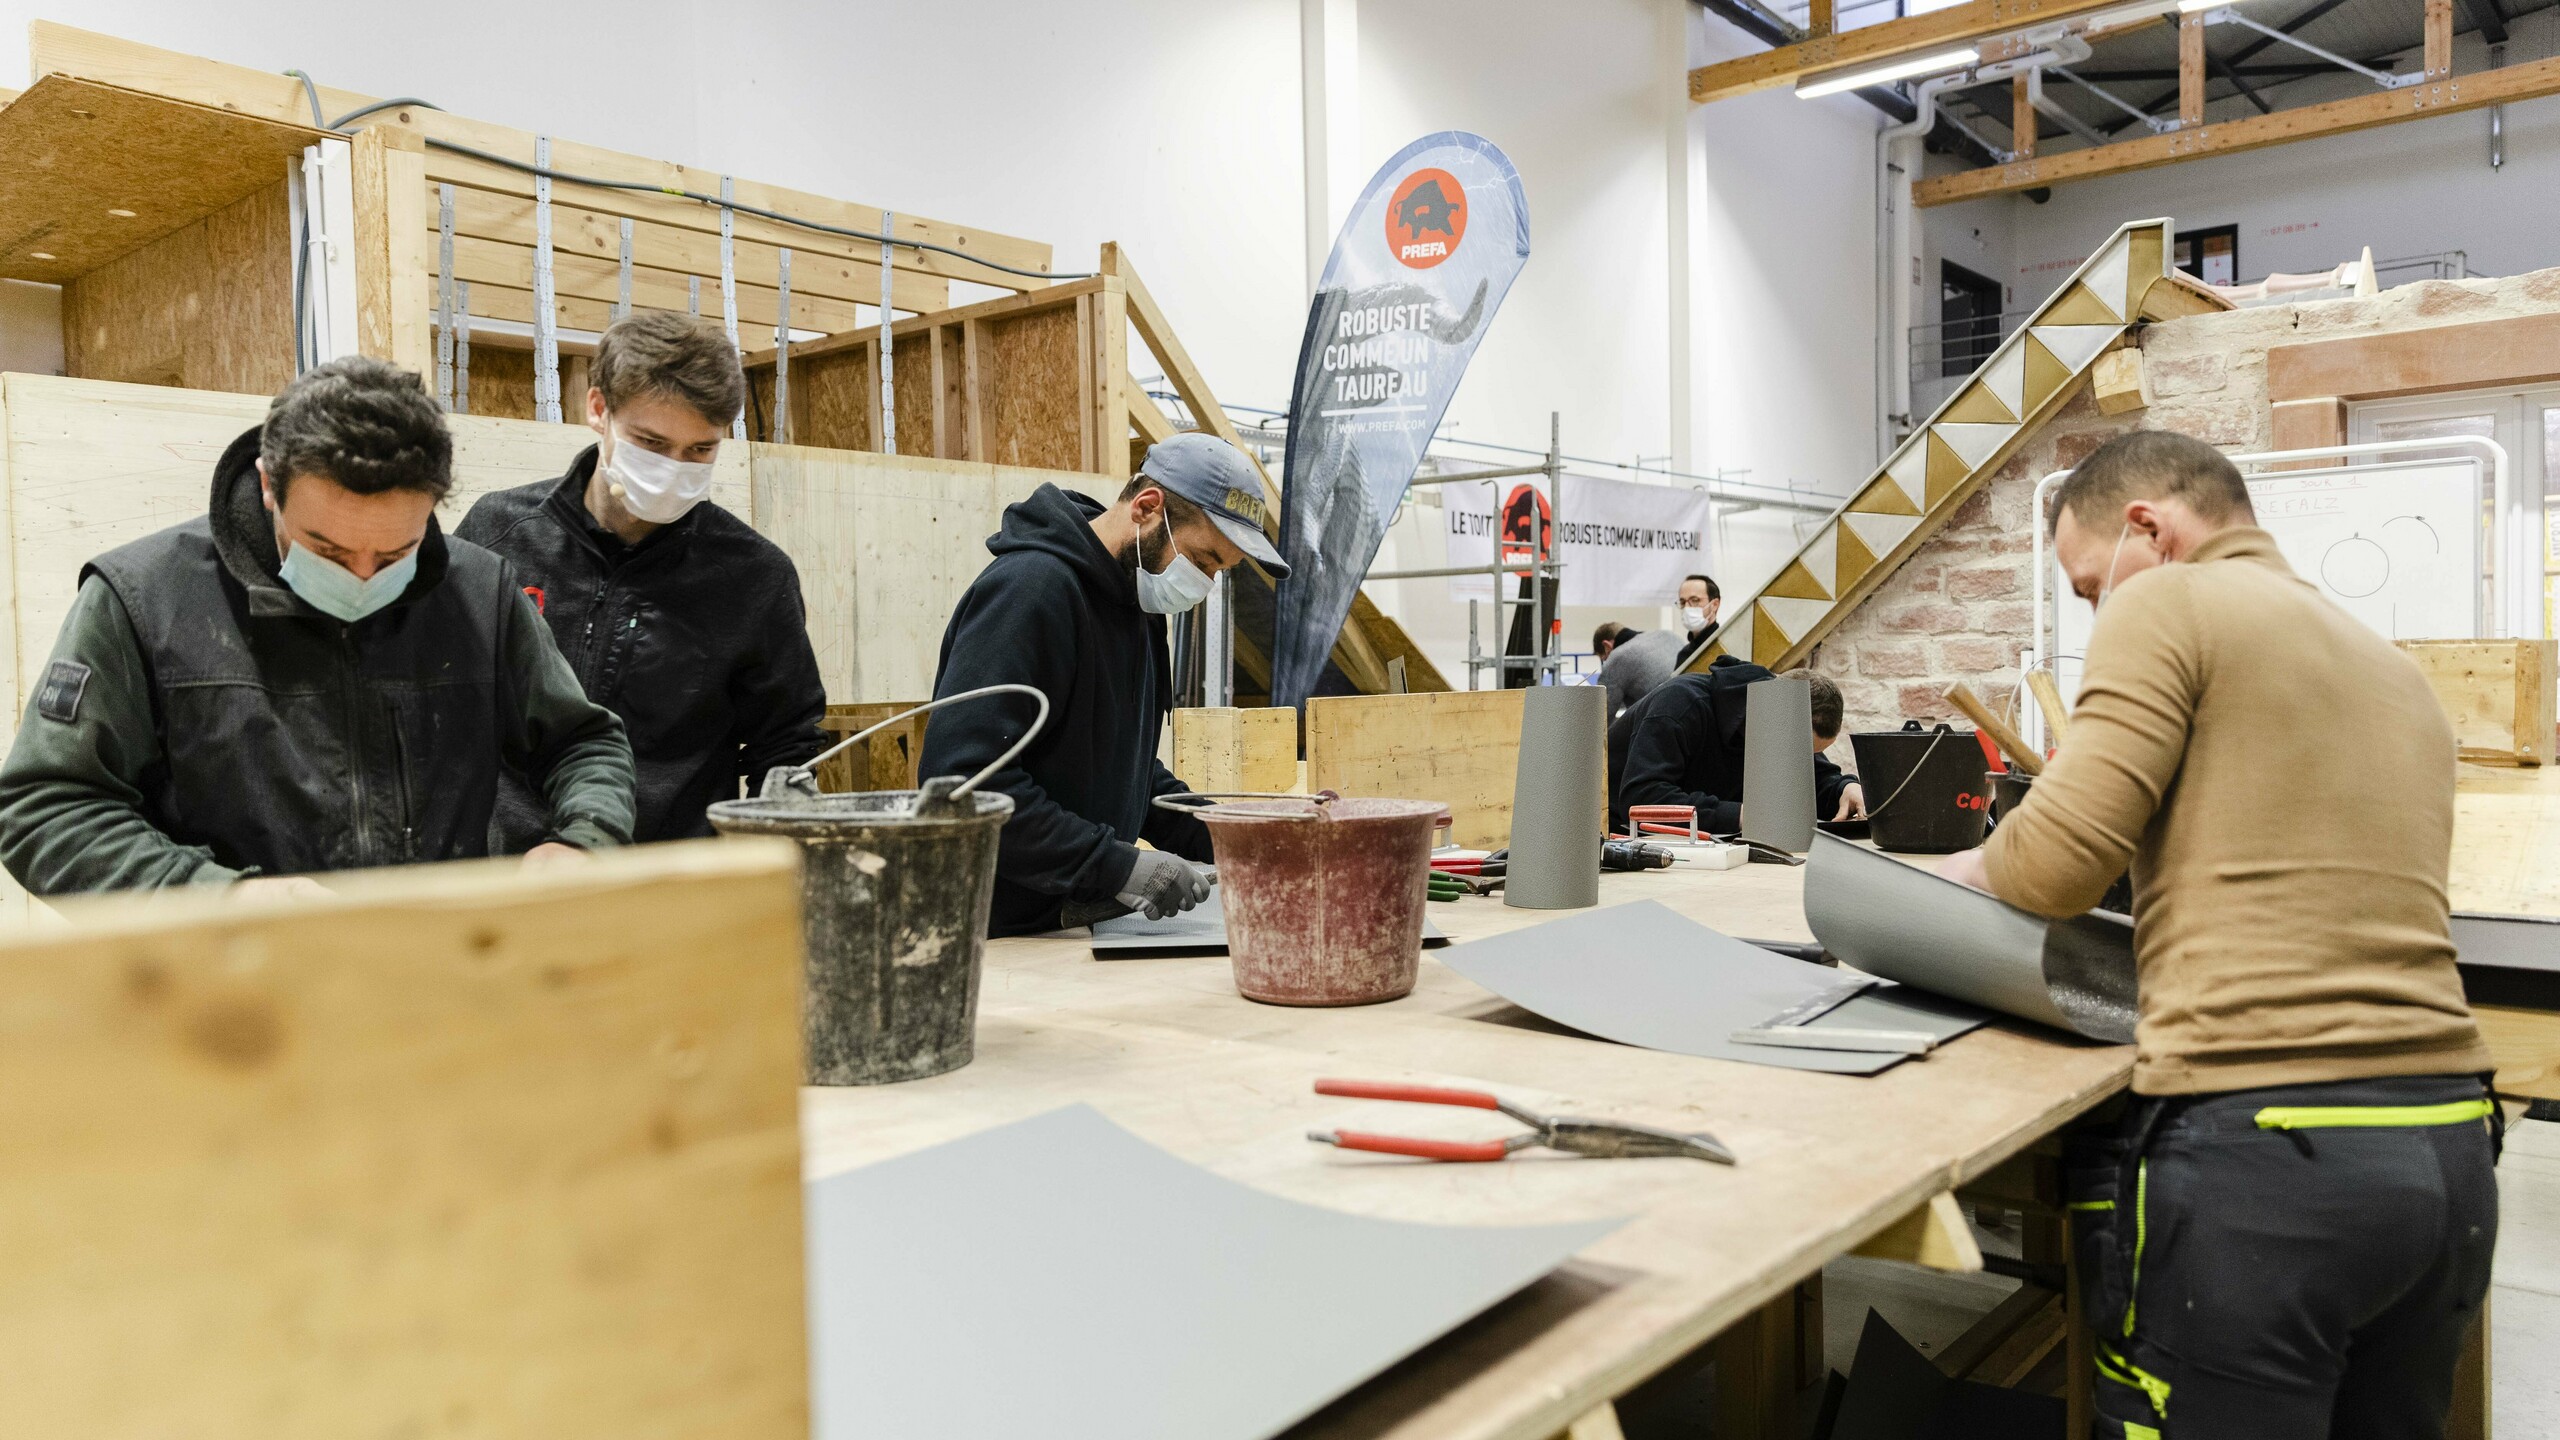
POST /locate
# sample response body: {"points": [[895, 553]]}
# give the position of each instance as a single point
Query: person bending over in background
{"points": [[1074, 604], [1683, 745], [675, 614], [1608, 637], [2288, 1233], [310, 677]]}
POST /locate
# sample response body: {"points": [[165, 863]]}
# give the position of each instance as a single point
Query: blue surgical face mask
{"points": [[333, 589]]}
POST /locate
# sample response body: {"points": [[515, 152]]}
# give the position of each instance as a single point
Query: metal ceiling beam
{"points": [[2239, 57], [2217, 67]]}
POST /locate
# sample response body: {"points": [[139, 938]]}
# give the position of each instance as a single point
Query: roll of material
{"points": [[1559, 802], [1777, 764], [1902, 923]]}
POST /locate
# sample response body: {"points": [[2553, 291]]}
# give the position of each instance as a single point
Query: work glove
{"points": [[1163, 884]]}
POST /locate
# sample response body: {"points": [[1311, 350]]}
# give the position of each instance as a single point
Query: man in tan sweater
{"points": [[2290, 1230]]}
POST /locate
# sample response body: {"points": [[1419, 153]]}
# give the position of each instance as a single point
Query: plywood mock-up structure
{"points": [[154, 185], [530, 1167], [1943, 462], [1461, 748]]}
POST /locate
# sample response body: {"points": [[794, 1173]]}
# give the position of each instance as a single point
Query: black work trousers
{"points": [[2295, 1263]]}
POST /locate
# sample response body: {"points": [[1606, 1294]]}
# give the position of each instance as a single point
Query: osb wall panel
{"points": [[207, 307], [1034, 412], [831, 400], [911, 376], [501, 382]]}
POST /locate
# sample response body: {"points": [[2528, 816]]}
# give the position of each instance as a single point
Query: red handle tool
{"points": [[1420, 1149], [1418, 1094]]}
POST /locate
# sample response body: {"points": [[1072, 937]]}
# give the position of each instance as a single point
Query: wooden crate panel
{"points": [[1460, 747], [532, 1170], [2497, 693], [1227, 748]]}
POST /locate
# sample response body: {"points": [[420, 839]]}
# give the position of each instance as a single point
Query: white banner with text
{"points": [[1625, 543]]}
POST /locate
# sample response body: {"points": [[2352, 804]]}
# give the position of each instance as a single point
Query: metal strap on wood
{"points": [[444, 296], [782, 350], [693, 294], [462, 347], [622, 298], [729, 282], [546, 323], [888, 390]]}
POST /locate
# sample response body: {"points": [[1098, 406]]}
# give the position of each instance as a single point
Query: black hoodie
{"points": [[198, 721], [694, 636], [1056, 611], [1682, 744]]}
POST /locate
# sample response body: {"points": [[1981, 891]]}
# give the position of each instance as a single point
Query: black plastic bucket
{"points": [[1928, 791]]}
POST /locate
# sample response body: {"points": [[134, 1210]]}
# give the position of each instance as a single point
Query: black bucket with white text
{"points": [[1928, 792]]}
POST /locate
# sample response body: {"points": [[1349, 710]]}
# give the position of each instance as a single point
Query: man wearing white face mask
{"points": [[310, 677], [673, 612], [2289, 1230], [1074, 603]]}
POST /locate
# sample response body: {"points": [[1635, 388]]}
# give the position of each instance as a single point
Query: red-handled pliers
{"points": [[1600, 1139]]}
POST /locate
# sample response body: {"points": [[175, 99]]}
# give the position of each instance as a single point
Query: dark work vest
{"points": [[295, 742]]}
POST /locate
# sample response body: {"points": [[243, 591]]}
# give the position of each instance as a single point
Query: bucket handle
{"points": [[1173, 802], [809, 767], [1944, 730]]}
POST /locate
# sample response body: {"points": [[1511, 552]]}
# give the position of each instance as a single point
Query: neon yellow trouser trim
{"points": [[2139, 1432], [2115, 1367], [2325, 1117]]}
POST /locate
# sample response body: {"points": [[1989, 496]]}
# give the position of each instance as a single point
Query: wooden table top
{"points": [[1168, 1049]]}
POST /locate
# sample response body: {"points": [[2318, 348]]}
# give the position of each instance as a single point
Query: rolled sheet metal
{"points": [[1777, 763], [1906, 924]]}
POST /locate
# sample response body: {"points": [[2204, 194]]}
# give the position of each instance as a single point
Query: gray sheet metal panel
{"points": [[2510, 942], [1059, 1277], [1777, 764], [1642, 975], [1904, 923], [1560, 803]]}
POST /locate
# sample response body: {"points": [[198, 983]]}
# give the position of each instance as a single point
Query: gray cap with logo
{"points": [[1216, 476]]}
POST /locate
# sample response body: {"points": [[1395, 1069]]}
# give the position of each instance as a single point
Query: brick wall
{"points": [[1961, 608]]}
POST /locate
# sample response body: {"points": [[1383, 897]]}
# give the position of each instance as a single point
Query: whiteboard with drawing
{"points": [[2398, 546]]}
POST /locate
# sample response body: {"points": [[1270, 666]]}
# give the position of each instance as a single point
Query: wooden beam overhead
{"points": [[2439, 32], [2256, 132], [2022, 120], [1887, 40], [1818, 18]]}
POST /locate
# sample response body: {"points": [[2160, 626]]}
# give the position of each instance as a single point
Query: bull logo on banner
{"points": [[1429, 251]]}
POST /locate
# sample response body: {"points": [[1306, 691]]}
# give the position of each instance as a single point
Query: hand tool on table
{"points": [[1599, 1139], [2021, 755], [1674, 830], [1789, 1026], [1633, 855], [1449, 887]]}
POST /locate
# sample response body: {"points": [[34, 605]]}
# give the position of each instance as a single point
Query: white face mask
{"points": [[1178, 587], [2107, 586], [1694, 617], [654, 487]]}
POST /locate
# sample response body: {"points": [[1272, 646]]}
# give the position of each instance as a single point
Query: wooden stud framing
{"points": [[2190, 71], [1819, 19], [392, 316], [1886, 40], [62, 49], [2022, 121], [2338, 117], [2439, 39]]}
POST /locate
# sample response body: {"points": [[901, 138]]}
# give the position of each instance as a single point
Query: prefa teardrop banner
{"points": [[1429, 251]]}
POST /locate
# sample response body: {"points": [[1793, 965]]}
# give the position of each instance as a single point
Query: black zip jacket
{"points": [[199, 722], [1056, 611], [1682, 745], [695, 637]]}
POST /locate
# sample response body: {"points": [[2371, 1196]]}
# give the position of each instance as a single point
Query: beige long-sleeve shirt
{"points": [[2281, 779]]}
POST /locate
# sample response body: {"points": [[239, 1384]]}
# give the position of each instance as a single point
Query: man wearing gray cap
{"points": [[1074, 604]]}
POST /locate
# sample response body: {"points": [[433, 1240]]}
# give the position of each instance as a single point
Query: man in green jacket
{"points": [[309, 677]]}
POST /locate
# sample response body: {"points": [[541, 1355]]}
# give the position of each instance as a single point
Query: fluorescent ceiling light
{"points": [[1903, 69], [2190, 7]]}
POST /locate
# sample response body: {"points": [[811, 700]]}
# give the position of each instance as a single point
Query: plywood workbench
{"points": [[1168, 1049]]}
